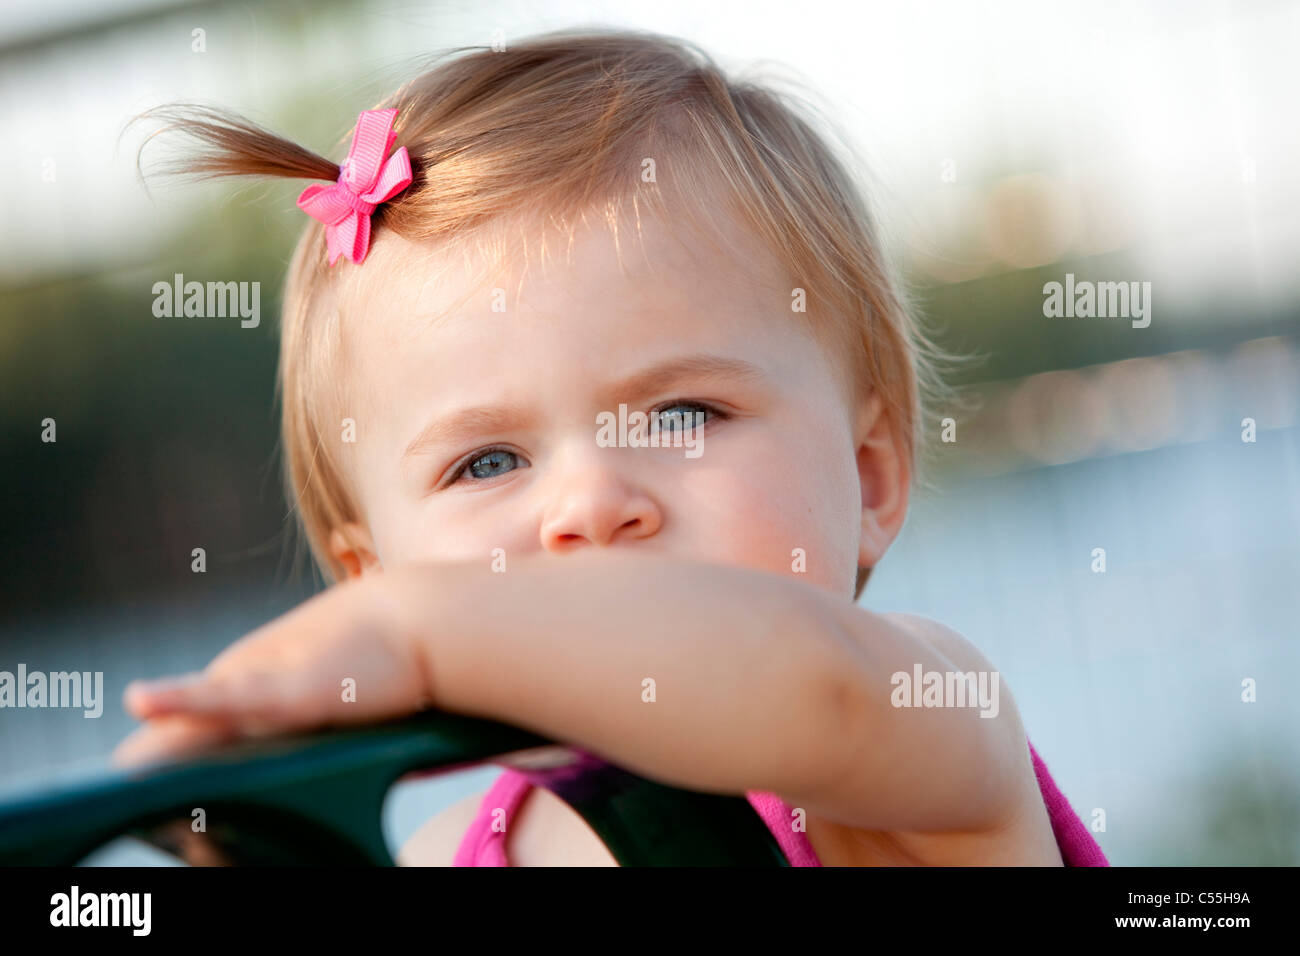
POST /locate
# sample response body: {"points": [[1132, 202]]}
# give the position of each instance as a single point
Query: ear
{"points": [[885, 478], [352, 547]]}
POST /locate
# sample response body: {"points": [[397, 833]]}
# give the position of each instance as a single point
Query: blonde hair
{"points": [[554, 126]]}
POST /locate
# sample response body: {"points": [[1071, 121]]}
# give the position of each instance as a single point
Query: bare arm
{"points": [[760, 683], [746, 678]]}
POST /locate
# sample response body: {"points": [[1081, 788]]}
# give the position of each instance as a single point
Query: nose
{"points": [[597, 506]]}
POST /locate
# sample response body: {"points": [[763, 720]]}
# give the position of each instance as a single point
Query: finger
{"points": [[197, 694], [255, 702], [170, 738], [149, 698]]}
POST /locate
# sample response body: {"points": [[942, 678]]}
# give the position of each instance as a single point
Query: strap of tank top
{"points": [[777, 814], [482, 845], [1078, 848]]}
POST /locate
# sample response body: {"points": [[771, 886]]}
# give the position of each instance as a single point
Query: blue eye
{"points": [[489, 464], [670, 419]]}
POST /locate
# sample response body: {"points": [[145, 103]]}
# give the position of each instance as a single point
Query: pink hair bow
{"points": [[365, 180]]}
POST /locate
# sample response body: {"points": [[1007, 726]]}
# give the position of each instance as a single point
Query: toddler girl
{"points": [[522, 245]]}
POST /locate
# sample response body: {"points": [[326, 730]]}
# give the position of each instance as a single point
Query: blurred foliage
{"points": [[1241, 809], [997, 321], [167, 429]]}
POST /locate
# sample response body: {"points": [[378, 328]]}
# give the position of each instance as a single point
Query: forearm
{"points": [[748, 671]]}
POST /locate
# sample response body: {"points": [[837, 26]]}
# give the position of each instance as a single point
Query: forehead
{"points": [[594, 293], [630, 260]]}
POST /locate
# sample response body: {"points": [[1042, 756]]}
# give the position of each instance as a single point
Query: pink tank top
{"points": [[483, 846]]}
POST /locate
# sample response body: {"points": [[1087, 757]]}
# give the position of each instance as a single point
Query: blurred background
{"points": [[1008, 144]]}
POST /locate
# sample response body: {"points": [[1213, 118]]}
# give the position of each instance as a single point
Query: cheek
{"points": [[776, 498], [418, 531]]}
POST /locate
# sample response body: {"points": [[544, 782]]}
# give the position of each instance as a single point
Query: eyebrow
{"points": [[464, 424], [666, 374]]}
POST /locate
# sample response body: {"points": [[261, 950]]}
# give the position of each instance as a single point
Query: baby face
{"points": [[477, 407]]}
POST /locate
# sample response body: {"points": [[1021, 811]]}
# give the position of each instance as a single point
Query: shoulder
{"points": [[961, 655], [549, 832], [436, 842], [545, 831], [955, 647], [955, 650], [1011, 757]]}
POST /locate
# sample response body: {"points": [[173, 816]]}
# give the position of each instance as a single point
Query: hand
{"points": [[289, 675]]}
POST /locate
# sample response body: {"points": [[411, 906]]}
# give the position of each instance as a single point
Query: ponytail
{"points": [[234, 146]]}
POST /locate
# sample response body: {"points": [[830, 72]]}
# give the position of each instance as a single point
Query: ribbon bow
{"points": [[365, 180]]}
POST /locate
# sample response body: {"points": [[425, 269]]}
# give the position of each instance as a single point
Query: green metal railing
{"points": [[318, 799]]}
